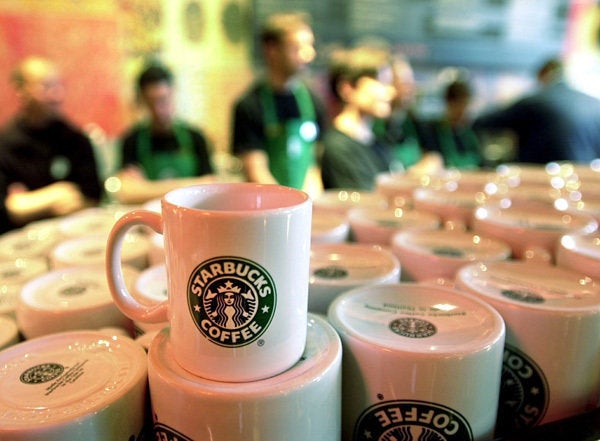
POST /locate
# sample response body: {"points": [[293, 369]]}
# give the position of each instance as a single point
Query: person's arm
{"points": [[256, 167], [135, 188], [248, 140], [58, 199]]}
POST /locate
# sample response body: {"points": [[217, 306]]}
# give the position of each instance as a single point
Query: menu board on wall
{"points": [[485, 33]]}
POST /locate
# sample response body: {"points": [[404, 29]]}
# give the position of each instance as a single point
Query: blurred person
{"points": [[403, 130], [277, 122], [47, 165], [556, 123], [361, 78], [162, 152], [452, 135]]}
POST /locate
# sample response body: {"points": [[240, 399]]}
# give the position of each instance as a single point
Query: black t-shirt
{"points": [[37, 157], [165, 143], [249, 117]]}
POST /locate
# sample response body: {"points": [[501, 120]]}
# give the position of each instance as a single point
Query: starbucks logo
{"points": [[232, 300], [521, 295], [523, 392], [331, 272], [447, 251], [165, 433], [413, 327], [409, 420], [42, 373]]}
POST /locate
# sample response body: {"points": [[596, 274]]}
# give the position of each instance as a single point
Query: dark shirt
{"points": [[556, 124], [167, 143], [348, 163], [458, 146], [249, 117], [37, 157]]}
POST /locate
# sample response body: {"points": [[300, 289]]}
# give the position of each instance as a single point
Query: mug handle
{"points": [[128, 304]]}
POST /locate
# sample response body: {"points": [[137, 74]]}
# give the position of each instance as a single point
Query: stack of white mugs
{"points": [[241, 358], [259, 332]]}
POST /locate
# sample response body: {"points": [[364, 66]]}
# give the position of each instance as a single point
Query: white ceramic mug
{"points": [[552, 357], [300, 404], [335, 268], [420, 362], [79, 385], [68, 299], [580, 252], [237, 257]]}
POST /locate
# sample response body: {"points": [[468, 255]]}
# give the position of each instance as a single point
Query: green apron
{"points": [[405, 153], [180, 163], [290, 145], [469, 158]]}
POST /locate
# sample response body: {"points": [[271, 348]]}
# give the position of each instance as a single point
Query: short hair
{"points": [[352, 64], [456, 90], [277, 26], [154, 73]]}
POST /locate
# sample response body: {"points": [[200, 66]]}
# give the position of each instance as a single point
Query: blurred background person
{"points": [[556, 123], [47, 165], [278, 120], [452, 134], [362, 79], [403, 131], [162, 152]]}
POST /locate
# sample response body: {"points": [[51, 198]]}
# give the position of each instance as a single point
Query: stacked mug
{"points": [[241, 358]]}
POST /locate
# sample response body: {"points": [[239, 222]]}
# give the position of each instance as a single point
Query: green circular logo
{"points": [[232, 300]]}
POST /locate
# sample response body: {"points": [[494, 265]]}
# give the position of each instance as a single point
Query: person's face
{"points": [[158, 98], [229, 300], [42, 92], [296, 50], [404, 83], [457, 109], [373, 96]]}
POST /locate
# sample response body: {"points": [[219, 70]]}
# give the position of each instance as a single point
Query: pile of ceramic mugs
{"points": [[461, 306]]}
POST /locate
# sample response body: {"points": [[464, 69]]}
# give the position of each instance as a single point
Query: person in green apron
{"points": [[361, 78], [452, 135], [278, 121], [403, 131], [161, 152]]}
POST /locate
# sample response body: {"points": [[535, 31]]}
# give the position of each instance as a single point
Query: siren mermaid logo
{"points": [[524, 392], [232, 300], [409, 420]]}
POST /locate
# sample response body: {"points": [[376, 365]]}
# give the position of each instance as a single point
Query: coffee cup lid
{"points": [[585, 244], [323, 350], [91, 249], [9, 332], [329, 227], [27, 242], [450, 244], [59, 378], [530, 285], [417, 319], [71, 288], [151, 284], [9, 295], [20, 270], [537, 217], [97, 219], [346, 264]]}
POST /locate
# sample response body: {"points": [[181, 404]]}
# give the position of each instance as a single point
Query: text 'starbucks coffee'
{"points": [[237, 259], [420, 362], [551, 364]]}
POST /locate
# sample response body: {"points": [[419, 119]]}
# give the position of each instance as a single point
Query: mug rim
{"points": [[296, 198]]}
